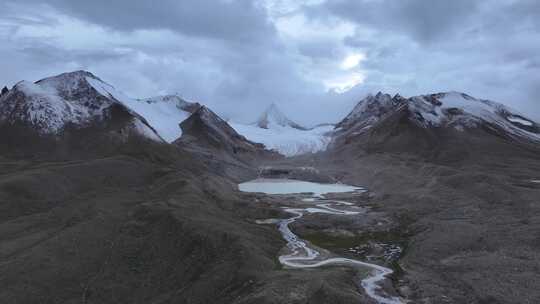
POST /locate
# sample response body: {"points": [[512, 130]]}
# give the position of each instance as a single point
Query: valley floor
{"points": [[138, 229], [470, 229]]}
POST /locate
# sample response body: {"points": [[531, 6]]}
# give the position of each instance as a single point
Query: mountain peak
{"points": [[273, 116], [69, 76], [370, 109], [453, 110], [79, 73], [274, 108], [76, 99], [380, 95], [205, 129]]}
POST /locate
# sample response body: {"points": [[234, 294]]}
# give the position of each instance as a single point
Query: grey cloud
{"points": [[488, 49], [229, 55], [423, 21], [318, 49], [240, 20], [40, 52]]}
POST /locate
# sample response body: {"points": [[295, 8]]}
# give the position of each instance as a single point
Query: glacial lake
{"points": [[291, 186]]}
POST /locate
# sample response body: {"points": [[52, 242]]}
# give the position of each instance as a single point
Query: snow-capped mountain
{"points": [[461, 111], [77, 99], [273, 116], [450, 110], [80, 99], [279, 133]]}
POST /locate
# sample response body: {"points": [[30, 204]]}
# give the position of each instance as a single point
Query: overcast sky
{"points": [[313, 58]]}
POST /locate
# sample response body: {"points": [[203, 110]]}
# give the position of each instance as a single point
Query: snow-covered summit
{"points": [[370, 110], [273, 116], [77, 98], [442, 110], [461, 111]]}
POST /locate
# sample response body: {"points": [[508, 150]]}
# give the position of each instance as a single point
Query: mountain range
{"points": [[80, 99], [106, 198]]}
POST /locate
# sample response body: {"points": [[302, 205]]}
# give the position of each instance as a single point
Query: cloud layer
{"points": [[314, 58]]}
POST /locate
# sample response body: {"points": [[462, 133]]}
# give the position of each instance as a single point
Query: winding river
{"points": [[300, 254]]}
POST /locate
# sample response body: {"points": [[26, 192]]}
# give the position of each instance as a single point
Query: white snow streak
{"points": [[521, 121]]}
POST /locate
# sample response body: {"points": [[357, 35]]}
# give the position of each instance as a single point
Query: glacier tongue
{"points": [[287, 140], [277, 132]]}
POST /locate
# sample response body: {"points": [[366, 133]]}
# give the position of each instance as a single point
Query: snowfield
{"points": [[287, 140], [474, 111], [163, 113], [165, 117], [277, 132]]}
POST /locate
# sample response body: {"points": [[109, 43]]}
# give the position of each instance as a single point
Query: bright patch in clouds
{"points": [[352, 61], [232, 54], [344, 83]]}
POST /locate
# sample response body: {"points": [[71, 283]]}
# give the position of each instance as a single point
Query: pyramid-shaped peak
{"points": [[273, 107], [273, 116], [274, 111]]}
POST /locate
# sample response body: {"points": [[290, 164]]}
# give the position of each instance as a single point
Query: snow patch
{"points": [[165, 117], [162, 114], [45, 106], [520, 121]]}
